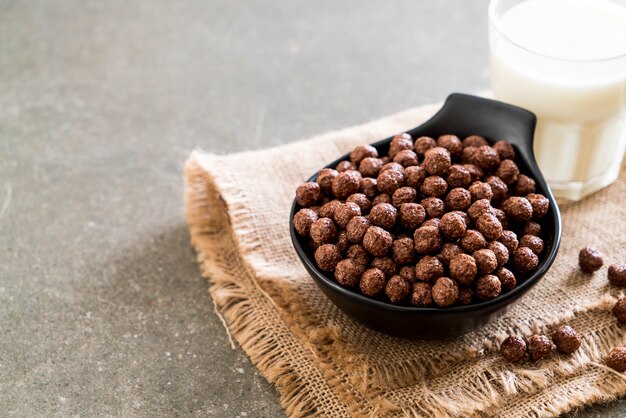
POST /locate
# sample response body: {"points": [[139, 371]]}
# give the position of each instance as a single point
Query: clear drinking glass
{"points": [[565, 60]]}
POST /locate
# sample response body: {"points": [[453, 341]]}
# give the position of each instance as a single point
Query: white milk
{"points": [[568, 80]]}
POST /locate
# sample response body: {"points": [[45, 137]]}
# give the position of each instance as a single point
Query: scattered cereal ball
{"points": [[386, 265], [469, 154], [448, 252], [488, 225], [452, 225], [327, 256], [422, 295], [408, 274], [406, 158], [518, 208], [566, 340], [617, 274], [345, 166], [403, 250], [382, 198], [504, 150], [434, 186], [499, 189], [501, 252], [323, 231], [463, 269], [383, 214], [531, 228], [480, 191], [590, 259], [480, 208], [525, 260], [452, 143], [532, 242], [369, 187], [458, 176], [616, 359], [423, 144], [389, 181], [445, 292], [377, 241], [342, 241], [504, 221], [434, 222], [363, 151], [509, 239], [513, 349], [414, 176], [466, 295], [539, 347], [412, 215], [361, 200], [348, 272], [400, 142], [370, 167], [345, 212], [345, 184], [308, 193], [619, 310], [397, 289], [303, 220], [428, 269], [525, 185], [372, 282], [508, 172], [540, 205], [435, 208], [458, 199], [487, 287], [486, 260], [356, 228], [475, 171], [507, 278], [475, 141], [427, 240], [437, 161], [486, 157], [359, 255], [325, 179], [403, 195], [473, 241]]}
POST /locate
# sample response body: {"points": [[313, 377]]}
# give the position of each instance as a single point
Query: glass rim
{"points": [[494, 21]]}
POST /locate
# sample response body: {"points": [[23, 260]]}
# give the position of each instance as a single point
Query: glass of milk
{"points": [[565, 60]]}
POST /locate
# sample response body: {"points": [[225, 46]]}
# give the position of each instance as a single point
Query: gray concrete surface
{"points": [[102, 308]]}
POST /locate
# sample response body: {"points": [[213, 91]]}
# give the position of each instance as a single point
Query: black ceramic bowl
{"points": [[462, 115]]}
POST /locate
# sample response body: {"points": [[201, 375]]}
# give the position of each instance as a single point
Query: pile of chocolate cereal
{"points": [[433, 223]]}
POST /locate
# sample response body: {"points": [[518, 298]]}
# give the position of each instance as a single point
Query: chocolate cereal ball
{"points": [[508, 172], [356, 229], [358, 255], [427, 240], [504, 150], [448, 252], [504, 221], [532, 242], [463, 269], [518, 208], [361, 200], [498, 187], [328, 209], [428, 269], [488, 225], [509, 239], [458, 199], [590, 259], [403, 250], [566, 340], [469, 154], [452, 225], [524, 186], [507, 279], [501, 252], [392, 166], [303, 220], [362, 151], [345, 166], [480, 190], [486, 260], [345, 212], [348, 272], [386, 265], [346, 183], [475, 141], [327, 256], [434, 186], [452, 143], [423, 144], [475, 171], [412, 215], [458, 176], [617, 274], [325, 179], [619, 310], [323, 231], [539, 347], [369, 187], [463, 215], [486, 157], [397, 289], [406, 158], [422, 296], [377, 241], [513, 349], [435, 207], [466, 295], [432, 222], [487, 287], [445, 292], [400, 142], [525, 260], [384, 215], [370, 167], [389, 181], [414, 176], [382, 198], [403, 195], [539, 203], [616, 359], [342, 241], [480, 208], [408, 274], [437, 161], [473, 241], [372, 282], [531, 228], [308, 193]]}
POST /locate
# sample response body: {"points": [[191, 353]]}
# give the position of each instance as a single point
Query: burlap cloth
{"points": [[324, 364]]}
